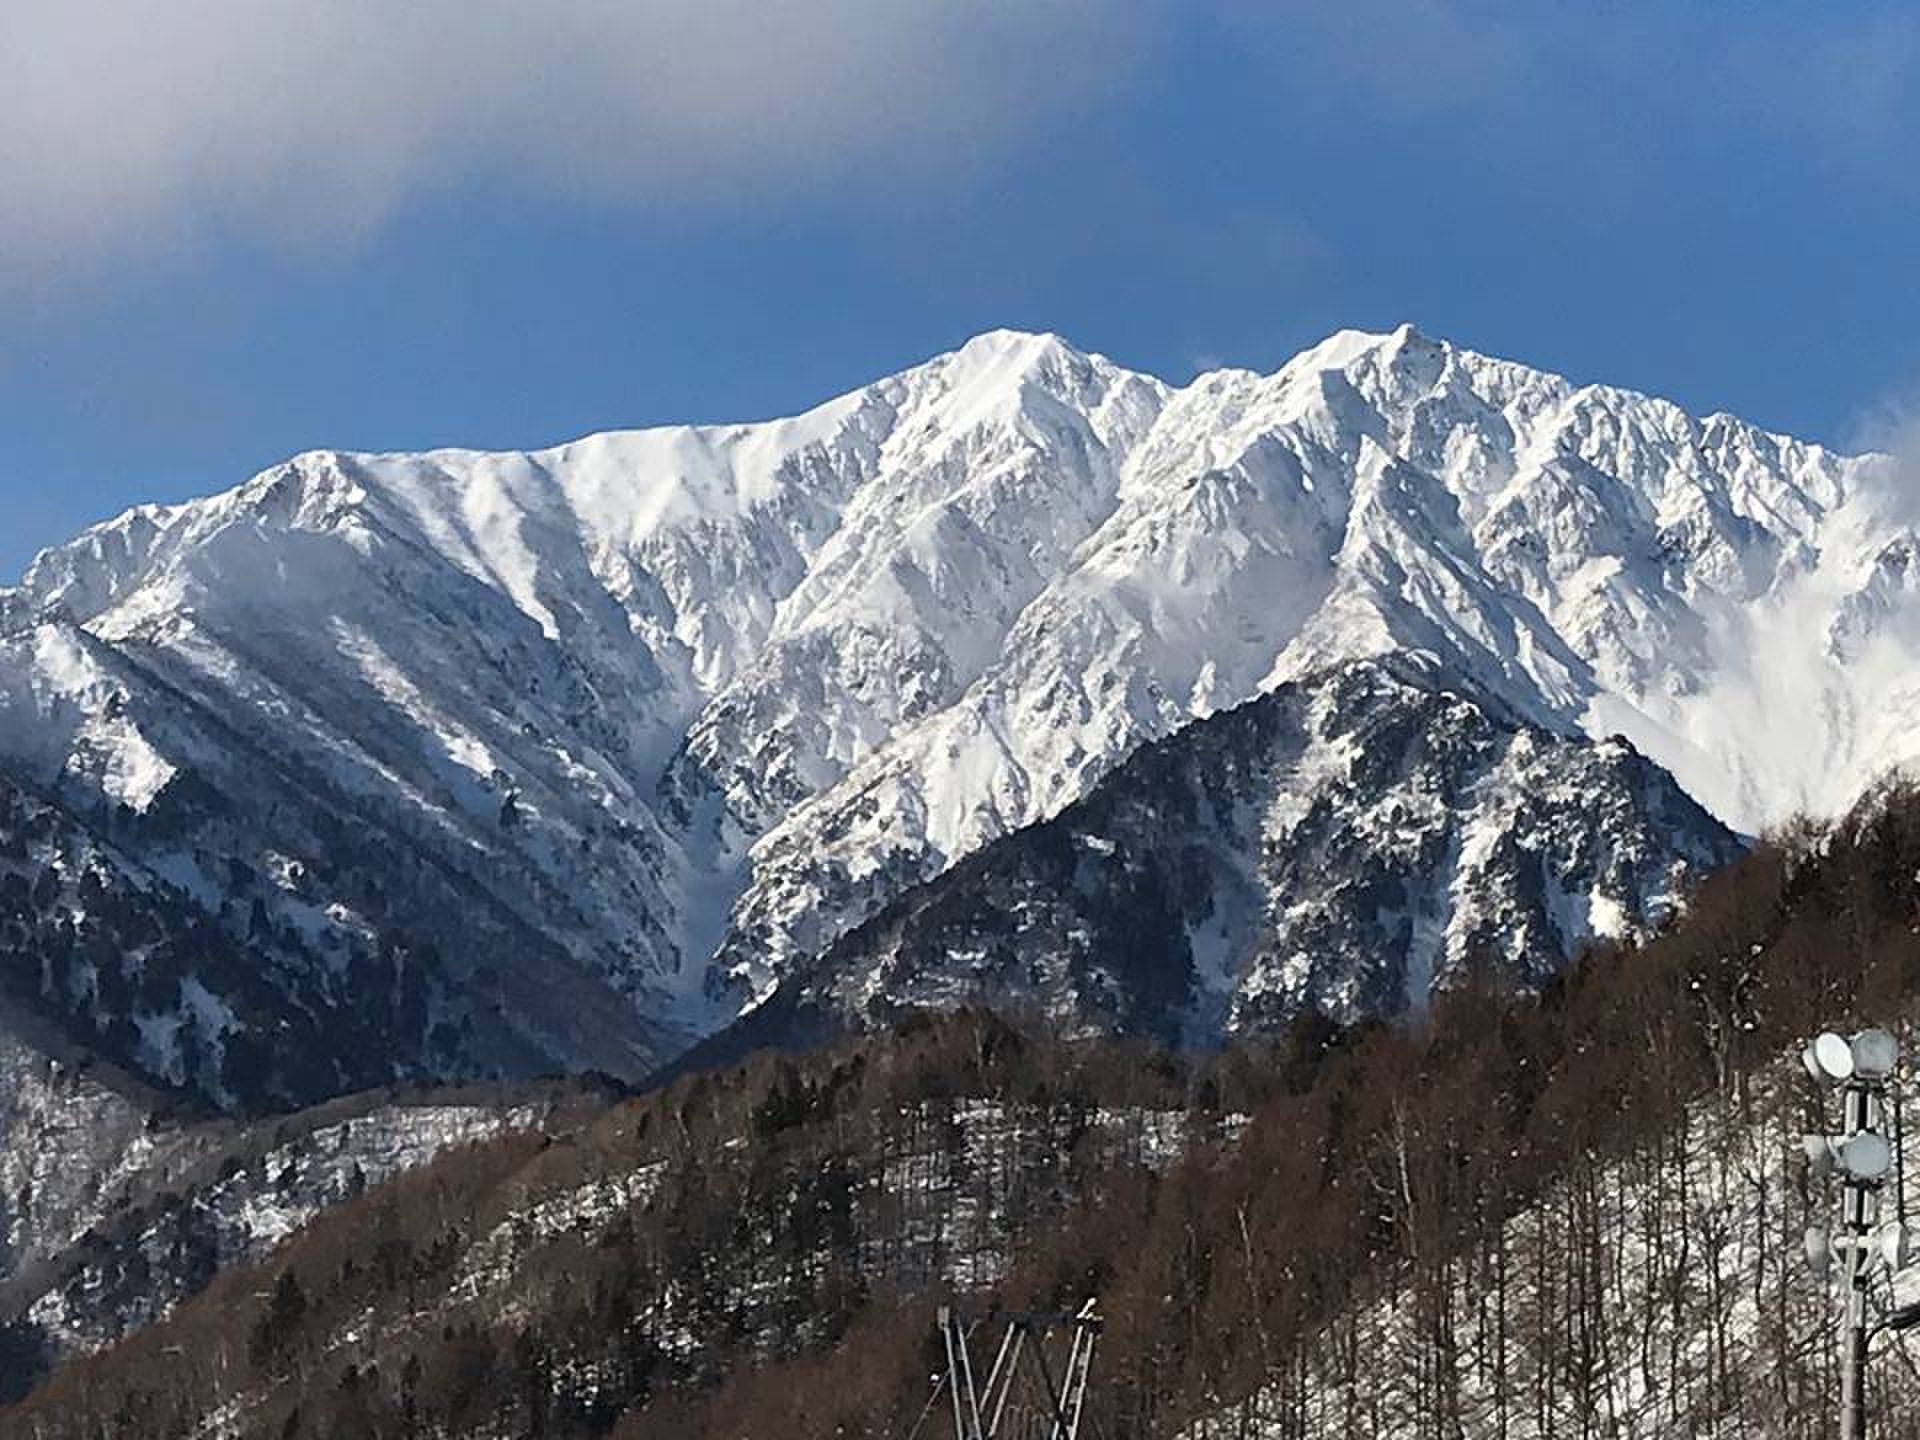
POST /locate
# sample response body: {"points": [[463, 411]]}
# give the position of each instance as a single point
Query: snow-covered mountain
{"points": [[1738, 605], [616, 735]]}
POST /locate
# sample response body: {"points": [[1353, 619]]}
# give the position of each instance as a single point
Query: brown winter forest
{"points": [[1564, 1214]]}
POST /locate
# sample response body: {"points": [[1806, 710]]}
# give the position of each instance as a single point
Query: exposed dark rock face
{"points": [[1344, 845]]}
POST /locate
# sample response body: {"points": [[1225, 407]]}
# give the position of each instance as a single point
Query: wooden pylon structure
{"points": [[1030, 1392]]}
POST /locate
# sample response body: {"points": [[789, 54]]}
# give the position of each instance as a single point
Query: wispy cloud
{"points": [[135, 127], [1890, 426], [131, 125]]}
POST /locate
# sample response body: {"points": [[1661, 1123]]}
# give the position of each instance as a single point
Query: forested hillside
{"points": [[117, 1204], [1564, 1214], [239, 1003]]}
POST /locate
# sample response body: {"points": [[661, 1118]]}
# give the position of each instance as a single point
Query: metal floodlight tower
{"points": [[1046, 1406], [1859, 1067]]}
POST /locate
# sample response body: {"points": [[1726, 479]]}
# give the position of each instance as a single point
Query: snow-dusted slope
{"points": [[115, 1205], [592, 716], [1687, 1311]]}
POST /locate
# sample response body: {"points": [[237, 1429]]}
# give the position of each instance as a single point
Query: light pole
{"points": [[1859, 1068]]}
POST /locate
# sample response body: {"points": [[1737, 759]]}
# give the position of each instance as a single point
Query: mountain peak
{"points": [[1006, 342], [1008, 359], [1345, 348]]}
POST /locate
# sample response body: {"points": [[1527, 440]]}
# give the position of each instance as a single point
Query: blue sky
{"points": [[497, 224]]}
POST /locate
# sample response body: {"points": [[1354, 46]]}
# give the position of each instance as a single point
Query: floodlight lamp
{"points": [[1892, 1239], [1819, 1253], [1866, 1156], [1830, 1058], [1875, 1053]]}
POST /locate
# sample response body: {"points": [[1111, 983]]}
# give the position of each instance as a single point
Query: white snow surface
{"points": [[797, 664]]}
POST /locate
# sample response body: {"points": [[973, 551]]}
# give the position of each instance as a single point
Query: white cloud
{"points": [[1891, 427], [127, 125]]}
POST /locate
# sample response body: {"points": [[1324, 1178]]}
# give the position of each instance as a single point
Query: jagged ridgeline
{"points": [[1563, 1212], [463, 765]]}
